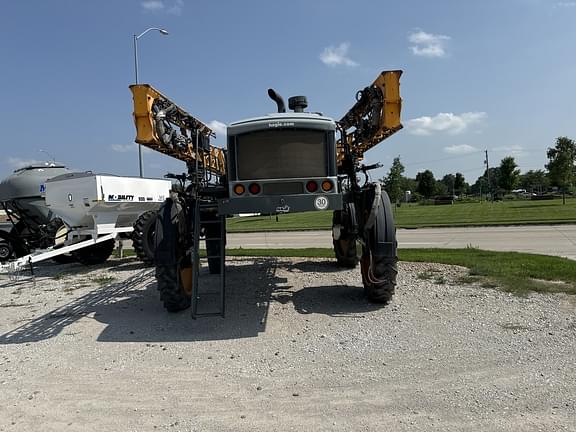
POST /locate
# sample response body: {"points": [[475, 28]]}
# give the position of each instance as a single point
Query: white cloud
{"points": [[16, 163], [449, 123], [218, 127], [153, 5], [460, 149], [124, 148], [337, 55], [170, 7], [176, 8], [428, 44], [565, 4]]}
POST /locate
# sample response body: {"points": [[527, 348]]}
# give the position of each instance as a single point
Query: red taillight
{"points": [[254, 188], [311, 186]]}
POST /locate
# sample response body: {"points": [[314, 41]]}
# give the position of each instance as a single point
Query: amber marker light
{"points": [[239, 189], [327, 185]]}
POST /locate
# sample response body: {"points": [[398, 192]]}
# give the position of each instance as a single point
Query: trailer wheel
{"points": [[96, 254], [379, 259], [175, 294], [5, 250], [143, 236], [345, 243]]}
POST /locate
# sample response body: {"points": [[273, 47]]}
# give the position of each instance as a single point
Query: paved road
{"points": [[545, 239]]}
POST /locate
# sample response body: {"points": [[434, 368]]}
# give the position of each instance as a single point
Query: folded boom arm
{"points": [[374, 117], [162, 126]]}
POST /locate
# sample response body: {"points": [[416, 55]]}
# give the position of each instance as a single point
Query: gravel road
{"points": [[93, 350]]}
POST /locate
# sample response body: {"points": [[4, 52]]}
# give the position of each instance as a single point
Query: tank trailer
{"points": [[289, 161], [67, 216]]}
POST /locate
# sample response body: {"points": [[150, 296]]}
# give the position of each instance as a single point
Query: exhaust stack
{"points": [[278, 99]]}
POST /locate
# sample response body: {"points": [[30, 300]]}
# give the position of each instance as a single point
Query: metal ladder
{"points": [[200, 219]]}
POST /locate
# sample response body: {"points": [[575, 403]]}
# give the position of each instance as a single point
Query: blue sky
{"points": [[494, 74]]}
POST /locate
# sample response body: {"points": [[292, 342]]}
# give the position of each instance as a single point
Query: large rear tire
{"points": [[379, 257], [96, 254], [173, 264], [378, 277], [143, 236], [345, 242], [174, 294]]}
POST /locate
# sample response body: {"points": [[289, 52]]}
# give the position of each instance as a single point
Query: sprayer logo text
{"points": [[281, 124]]}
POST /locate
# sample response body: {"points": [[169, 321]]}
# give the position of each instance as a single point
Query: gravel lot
{"points": [[93, 350]]}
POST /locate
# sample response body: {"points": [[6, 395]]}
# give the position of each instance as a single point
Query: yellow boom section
{"points": [[162, 126], [374, 117]]}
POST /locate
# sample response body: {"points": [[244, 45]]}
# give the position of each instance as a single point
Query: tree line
{"points": [[560, 172]]}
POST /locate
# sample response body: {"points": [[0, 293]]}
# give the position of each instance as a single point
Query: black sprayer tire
{"points": [[345, 247], [379, 257], [95, 254], [172, 293], [384, 270], [143, 236]]}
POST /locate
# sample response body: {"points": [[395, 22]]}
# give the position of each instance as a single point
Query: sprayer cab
{"points": [[283, 162]]}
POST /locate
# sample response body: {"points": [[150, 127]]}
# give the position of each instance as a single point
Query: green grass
{"points": [[486, 213], [413, 216], [286, 222], [514, 272]]}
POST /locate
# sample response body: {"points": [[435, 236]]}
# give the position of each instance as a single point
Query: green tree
{"points": [[509, 174], [426, 183], [535, 181], [393, 181], [449, 181], [561, 164], [480, 187], [459, 183]]}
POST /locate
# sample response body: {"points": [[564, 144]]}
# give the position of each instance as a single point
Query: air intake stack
{"points": [[297, 103]]}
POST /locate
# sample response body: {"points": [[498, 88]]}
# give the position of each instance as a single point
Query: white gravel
{"points": [[92, 349]]}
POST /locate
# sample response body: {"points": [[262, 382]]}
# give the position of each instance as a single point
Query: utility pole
{"points": [[488, 173], [136, 37]]}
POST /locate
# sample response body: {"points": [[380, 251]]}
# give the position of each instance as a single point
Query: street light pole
{"points": [[136, 37]]}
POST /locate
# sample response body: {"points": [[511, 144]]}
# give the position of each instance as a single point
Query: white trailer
{"points": [[95, 209]]}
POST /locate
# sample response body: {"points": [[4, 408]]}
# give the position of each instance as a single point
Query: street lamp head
{"points": [[164, 32]]}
